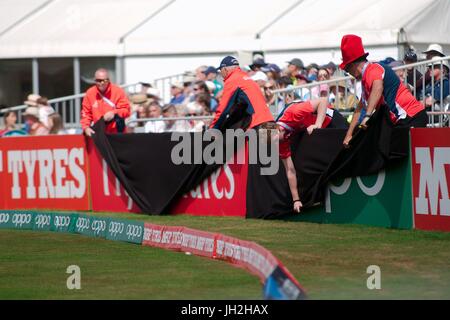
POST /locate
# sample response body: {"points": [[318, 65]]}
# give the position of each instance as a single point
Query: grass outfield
{"points": [[330, 262]]}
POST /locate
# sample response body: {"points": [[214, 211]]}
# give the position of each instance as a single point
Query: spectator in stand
{"points": [[211, 75], [55, 124], [295, 68], [258, 63], [10, 119], [104, 100], [201, 87], [44, 110], [138, 110], [170, 111], [261, 79], [272, 71], [200, 73], [194, 109], [32, 124], [204, 100], [413, 74], [188, 82], [331, 68], [303, 93], [440, 81], [433, 50], [32, 100], [177, 92], [344, 101], [312, 72], [153, 94], [323, 89], [154, 112]]}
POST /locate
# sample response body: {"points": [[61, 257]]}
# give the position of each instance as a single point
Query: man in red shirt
{"points": [[303, 116], [380, 87], [104, 100], [241, 96]]}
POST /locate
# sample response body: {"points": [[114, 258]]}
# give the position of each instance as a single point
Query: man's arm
{"points": [[320, 107], [86, 117], [122, 106], [353, 124], [375, 95], [292, 180]]}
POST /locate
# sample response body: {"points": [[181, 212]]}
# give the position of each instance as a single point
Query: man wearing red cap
{"points": [[380, 86]]}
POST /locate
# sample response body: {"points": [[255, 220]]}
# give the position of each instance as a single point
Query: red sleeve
{"points": [[373, 72], [285, 149], [86, 113], [122, 105]]}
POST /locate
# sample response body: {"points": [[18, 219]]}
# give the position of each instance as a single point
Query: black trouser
{"points": [[420, 120]]}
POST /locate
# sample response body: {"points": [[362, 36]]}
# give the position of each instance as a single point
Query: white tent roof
{"points": [[322, 23], [59, 28], [14, 10], [197, 26], [75, 28]]}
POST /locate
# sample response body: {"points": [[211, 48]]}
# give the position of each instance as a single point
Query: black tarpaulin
{"points": [[143, 164]]}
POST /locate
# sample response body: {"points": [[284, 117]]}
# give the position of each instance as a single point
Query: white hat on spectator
{"points": [[153, 92], [436, 48], [32, 112], [260, 76], [436, 63], [32, 100], [194, 108], [211, 86], [177, 84]]}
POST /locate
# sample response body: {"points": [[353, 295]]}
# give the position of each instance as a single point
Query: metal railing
{"points": [[437, 109], [68, 107]]}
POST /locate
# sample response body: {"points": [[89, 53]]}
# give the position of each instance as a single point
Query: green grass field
{"points": [[329, 261]]}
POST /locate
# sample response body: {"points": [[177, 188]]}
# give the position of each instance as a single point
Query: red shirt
{"points": [[298, 117], [399, 99], [238, 88], [94, 106]]}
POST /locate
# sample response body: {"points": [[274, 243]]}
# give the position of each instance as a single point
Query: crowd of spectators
{"points": [[198, 94], [39, 119]]}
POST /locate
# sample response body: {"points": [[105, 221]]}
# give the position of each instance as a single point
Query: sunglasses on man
{"points": [[101, 81]]}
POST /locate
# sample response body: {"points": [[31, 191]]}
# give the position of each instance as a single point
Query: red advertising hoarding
{"points": [[44, 173], [106, 190], [431, 178], [224, 193]]}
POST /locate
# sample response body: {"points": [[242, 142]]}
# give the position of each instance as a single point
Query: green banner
{"points": [[17, 220], [125, 230], [91, 226], [382, 200], [64, 222], [42, 221]]}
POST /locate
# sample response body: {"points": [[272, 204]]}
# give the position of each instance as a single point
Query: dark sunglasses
{"points": [[101, 81]]}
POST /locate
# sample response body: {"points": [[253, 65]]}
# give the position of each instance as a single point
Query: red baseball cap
{"points": [[351, 49]]}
